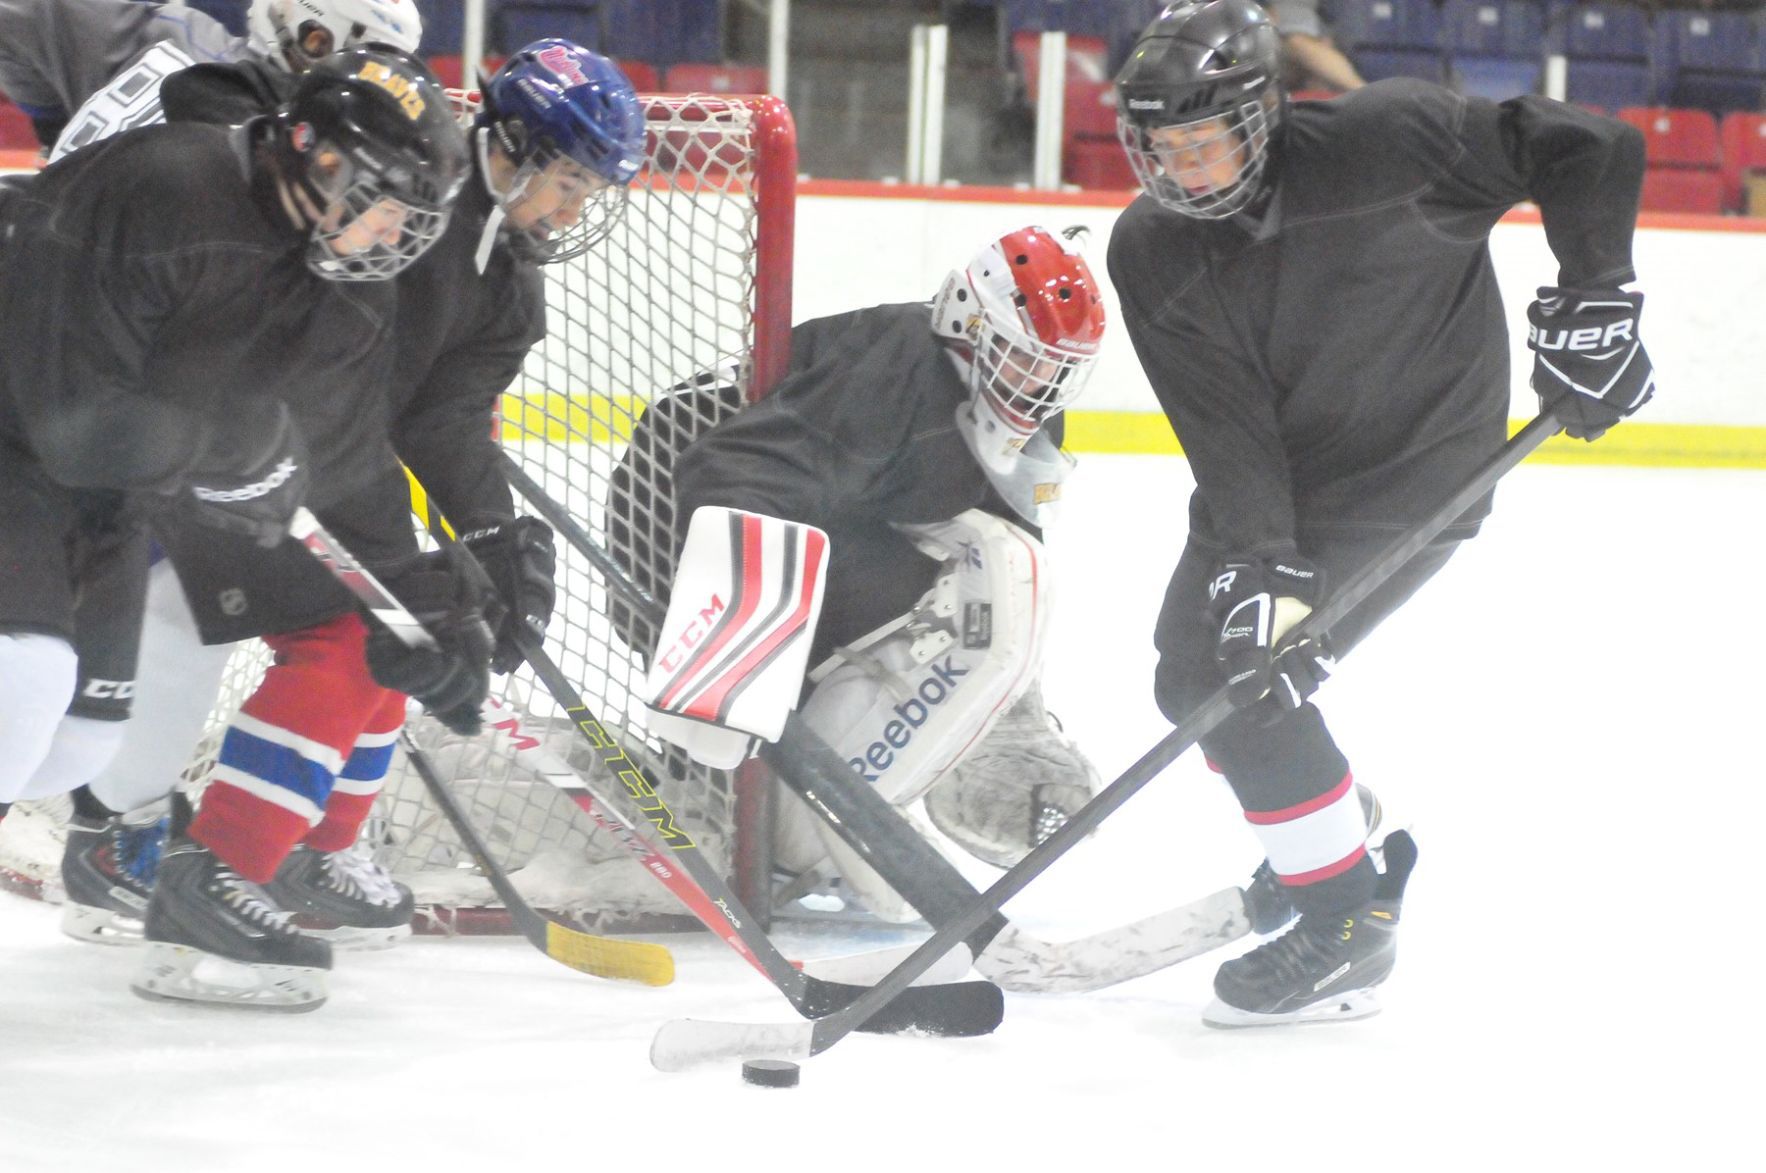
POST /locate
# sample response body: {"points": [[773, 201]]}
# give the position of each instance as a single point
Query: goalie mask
{"points": [[571, 126], [369, 145], [1028, 319], [1199, 102], [281, 29]]}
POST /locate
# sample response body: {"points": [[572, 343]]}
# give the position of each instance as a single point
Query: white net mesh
{"points": [[673, 297]]}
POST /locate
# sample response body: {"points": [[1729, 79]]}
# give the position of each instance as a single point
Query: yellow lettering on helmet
{"points": [[410, 98]]}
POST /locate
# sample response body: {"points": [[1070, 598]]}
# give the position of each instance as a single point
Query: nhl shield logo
{"points": [[232, 601]]}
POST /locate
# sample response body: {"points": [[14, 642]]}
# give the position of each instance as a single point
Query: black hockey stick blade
{"points": [[825, 1032], [953, 1010]]}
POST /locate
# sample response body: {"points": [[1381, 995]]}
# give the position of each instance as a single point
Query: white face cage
{"points": [[1178, 178], [1024, 379], [418, 229], [558, 236]]}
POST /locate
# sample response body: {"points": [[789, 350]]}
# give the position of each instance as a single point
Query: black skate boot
{"points": [[107, 870], [344, 897], [1324, 967], [214, 937], [1267, 904]]}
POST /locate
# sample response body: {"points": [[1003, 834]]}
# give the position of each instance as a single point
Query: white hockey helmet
{"points": [[278, 27], [1029, 321]]}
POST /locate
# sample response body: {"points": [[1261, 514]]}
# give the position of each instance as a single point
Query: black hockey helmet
{"points": [[1213, 68], [369, 137]]}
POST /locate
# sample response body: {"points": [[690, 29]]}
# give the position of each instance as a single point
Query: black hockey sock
{"points": [[1349, 892], [4, 807], [87, 806]]}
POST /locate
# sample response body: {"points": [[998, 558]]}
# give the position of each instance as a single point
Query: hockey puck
{"points": [[770, 1073]]}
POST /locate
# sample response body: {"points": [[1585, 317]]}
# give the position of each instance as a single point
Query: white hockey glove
{"points": [[1256, 603], [742, 615]]}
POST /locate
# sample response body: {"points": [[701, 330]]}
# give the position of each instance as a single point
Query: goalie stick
{"points": [[688, 1042], [1001, 952], [604, 957]]}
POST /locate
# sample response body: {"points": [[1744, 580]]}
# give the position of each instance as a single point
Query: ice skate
{"points": [[1267, 904], [1323, 968], [107, 870], [214, 937], [343, 897]]}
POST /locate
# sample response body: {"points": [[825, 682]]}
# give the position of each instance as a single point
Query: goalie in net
{"points": [[875, 521]]}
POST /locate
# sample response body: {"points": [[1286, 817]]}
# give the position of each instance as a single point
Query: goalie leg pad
{"points": [[741, 618], [902, 709], [1015, 788]]}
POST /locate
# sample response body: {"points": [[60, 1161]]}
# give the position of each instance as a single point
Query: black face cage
{"points": [[1162, 172]]}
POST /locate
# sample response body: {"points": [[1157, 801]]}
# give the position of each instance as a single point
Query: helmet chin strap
{"points": [[994, 442]]}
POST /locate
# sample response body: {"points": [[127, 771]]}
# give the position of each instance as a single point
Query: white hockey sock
{"points": [[36, 686]]}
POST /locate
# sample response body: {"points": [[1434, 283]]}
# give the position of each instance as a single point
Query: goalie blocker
{"points": [[729, 665]]}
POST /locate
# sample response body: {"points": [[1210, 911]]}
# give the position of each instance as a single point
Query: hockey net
{"points": [[692, 288]]}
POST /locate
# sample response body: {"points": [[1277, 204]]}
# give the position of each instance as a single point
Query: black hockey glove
{"points": [[517, 554], [1256, 602], [1589, 366], [450, 681], [251, 477]]}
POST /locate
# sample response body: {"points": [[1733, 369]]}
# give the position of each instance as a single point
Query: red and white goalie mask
{"points": [[1028, 319]]}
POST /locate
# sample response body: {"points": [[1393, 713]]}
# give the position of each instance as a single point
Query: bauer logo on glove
{"points": [[1589, 366]]}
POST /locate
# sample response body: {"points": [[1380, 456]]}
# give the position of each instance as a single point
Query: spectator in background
{"points": [[1310, 58]]}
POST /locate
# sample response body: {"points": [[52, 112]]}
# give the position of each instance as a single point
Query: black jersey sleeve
{"points": [[1211, 387], [839, 439], [83, 389], [444, 434], [1583, 170]]}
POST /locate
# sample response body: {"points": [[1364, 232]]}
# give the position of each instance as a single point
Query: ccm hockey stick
{"points": [[1001, 952], [957, 1009], [604, 957], [687, 1042]]}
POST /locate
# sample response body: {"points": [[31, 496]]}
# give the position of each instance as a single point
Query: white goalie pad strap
{"points": [[743, 612], [914, 702]]}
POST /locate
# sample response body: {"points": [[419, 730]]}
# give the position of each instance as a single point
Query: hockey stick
{"points": [[638, 961], [1002, 952], [688, 1042], [956, 1009], [605, 957], [529, 751]]}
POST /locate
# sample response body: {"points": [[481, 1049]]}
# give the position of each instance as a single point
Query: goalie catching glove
{"points": [[1257, 602], [452, 679], [518, 556], [1589, 366]]}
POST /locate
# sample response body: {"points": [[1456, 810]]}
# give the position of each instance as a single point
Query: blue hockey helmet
{"points": [[557, 100]]}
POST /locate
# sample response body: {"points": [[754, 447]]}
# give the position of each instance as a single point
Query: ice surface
{"points": [[1567, 716]]}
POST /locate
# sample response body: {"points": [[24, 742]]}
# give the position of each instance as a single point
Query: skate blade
{"points": [[180, 973], [100, 926], [1342, 1008], [356, 938]]}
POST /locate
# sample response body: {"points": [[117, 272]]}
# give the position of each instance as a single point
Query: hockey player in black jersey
{"points": [[1310, 291], [559, 137], [907, 455], [212, 344]]}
